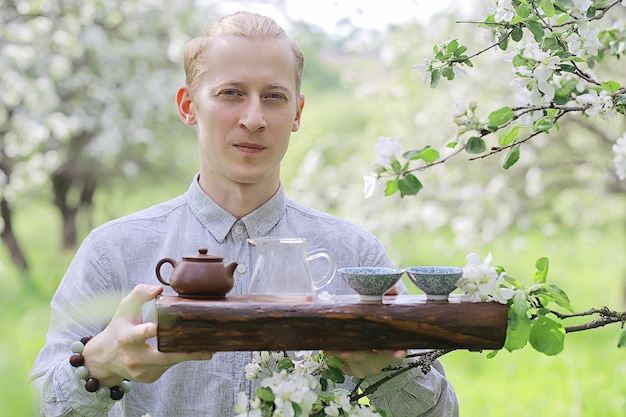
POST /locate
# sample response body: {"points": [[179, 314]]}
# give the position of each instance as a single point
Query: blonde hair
{"points": [[241, 24]]}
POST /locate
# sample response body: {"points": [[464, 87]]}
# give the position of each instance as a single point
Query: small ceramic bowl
{"points": [[437, 282], [371, 282]]}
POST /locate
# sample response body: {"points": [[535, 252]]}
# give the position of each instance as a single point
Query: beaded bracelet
{"points": [[92, 384]]}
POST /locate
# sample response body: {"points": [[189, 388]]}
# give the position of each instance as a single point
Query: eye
{"points": [[229, 93], [275, 96]]}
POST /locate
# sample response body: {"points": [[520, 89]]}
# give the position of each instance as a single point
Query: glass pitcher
{"points": [[282, 270]]}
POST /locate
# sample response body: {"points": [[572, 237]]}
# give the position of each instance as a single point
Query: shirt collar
{"points": [[219, 222]]}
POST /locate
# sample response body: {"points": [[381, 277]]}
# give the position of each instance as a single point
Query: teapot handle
{"points": [[160, 264], [330, 272]]}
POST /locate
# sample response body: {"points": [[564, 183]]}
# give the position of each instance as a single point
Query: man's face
{"points": [[245, 109]]}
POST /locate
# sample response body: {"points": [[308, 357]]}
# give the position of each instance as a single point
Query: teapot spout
{"points": [[230, 268]]}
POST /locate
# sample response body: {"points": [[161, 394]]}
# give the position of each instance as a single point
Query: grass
{"points": [[585, 380]]}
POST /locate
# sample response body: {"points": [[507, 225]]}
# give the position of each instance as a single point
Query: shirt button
{"points": [[241, 269], [239, 229]]}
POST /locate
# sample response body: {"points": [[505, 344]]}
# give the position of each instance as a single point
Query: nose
{"points": [[252, 117]]}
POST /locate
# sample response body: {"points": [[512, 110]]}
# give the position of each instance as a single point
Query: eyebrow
{"points": [[242, 84]]}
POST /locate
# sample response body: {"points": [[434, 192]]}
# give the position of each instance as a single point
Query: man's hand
{"points": [[121, 351], [366, 362]]}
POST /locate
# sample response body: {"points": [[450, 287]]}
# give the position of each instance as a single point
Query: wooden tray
{"points": [[406, 321]]}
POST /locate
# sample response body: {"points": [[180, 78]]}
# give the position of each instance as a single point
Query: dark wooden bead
{"points": [[92, 384], [85, 339], [77, 360], [117, 393]]}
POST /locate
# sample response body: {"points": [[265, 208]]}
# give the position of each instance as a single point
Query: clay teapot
{"points": [[202, 276]]}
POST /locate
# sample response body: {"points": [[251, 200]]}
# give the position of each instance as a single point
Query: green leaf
{"points": [[541, 273], [323, 384], [621, 343], [285, 363], [519, 61], [409, 185], [492, 354], [509, 136], [519, 305], [452, 144], [391, 187], [517, 336], [535, 28], [264, 394], [547, 336], [547, 7], [503, 43], [460, 50], [334, 374], [428, 154], [500, 117], [453, 45], [611, 86], [297, 410], [567, 68], [560, 297], [435, 76], [475, 145], [511, 157], [448, 73], [523, 10], [396, 166], [333, 362], [562, 19], [517, 34], [544, 124]]}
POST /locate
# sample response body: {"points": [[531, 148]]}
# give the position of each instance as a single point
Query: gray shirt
{"points": [[120, 254]]}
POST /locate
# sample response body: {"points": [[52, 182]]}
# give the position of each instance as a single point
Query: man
{"points": [[242, 94]]}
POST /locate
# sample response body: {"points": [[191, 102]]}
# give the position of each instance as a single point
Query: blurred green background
{"points": [[91, 134]]}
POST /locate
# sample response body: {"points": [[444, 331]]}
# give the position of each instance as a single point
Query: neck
{"points": [[239, 199]]}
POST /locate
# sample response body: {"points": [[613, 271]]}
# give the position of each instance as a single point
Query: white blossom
{"points": [[584, 41], [580, 8], [252, 370], [504, 11], [369, 185], [387, 150], [481, 282], [599, 104], [543, 70], [620, 157]]}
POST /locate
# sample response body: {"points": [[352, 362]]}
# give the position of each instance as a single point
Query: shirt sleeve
{"points": [[81, 306], [415, 394]]}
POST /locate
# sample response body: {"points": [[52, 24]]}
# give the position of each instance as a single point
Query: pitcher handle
{"points": [[330, 272]]}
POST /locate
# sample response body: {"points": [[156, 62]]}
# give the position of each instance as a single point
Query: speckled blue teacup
{"points": [[371, 282], [437, 282]]}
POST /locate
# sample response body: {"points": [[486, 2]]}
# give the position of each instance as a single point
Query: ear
{"points": [[296, 123], [185, 106]]}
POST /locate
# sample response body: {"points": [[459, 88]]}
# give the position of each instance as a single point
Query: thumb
{"points": [[130, 306]]}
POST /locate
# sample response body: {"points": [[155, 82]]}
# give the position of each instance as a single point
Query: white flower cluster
{"points": [[293, 389], [539, 76], [482, 282], [600, 104], [620, 154], [387, 150], [584, 41], [504, 11]]}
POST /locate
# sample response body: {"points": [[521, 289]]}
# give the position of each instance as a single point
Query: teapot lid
{"points": [[203, 257]]}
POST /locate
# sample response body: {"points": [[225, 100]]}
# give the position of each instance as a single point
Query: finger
{"points": [[174, 358], [140, 333], [130, 306]]}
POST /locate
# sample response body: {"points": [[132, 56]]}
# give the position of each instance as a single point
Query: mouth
{"points": [[249, 147]]}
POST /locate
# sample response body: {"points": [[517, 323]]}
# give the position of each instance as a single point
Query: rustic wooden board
{"points": [[399, 322]]}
